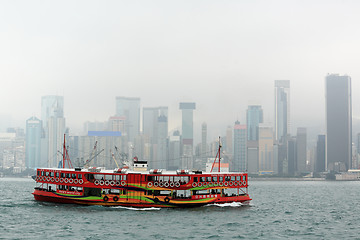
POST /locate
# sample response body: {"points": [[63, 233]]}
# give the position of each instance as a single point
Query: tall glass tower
{"points": [[33, 143], [282, 110], [338, 122], [254, 116], [130, 109]]}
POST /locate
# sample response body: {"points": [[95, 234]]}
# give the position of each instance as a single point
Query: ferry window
{"points": [[108, 177], [47, 174], [171, 178], [202, 179], [79, 176], [114, 191], [62, 175], [166, 178], [124, 192], [124, 178], [208, 179], [73, 175], [195, 179], [149, 192], [67, 175], [220, 179], [117, 177], [244, 178], [227, 178], [232, 178], [177, 179], [185, 179], [238, 178], [214, 179], [57, 174]]}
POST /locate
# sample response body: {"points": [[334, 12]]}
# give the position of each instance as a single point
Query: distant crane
{"points": [[92, 155]]}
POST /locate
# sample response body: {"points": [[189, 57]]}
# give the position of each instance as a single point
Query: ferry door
{"points": [[133, 191]]}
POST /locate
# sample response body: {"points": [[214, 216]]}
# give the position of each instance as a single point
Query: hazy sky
{"points": [[222, 55]]}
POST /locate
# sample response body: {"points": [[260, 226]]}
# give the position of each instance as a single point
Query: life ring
{"points": [[166, 184], [123, 183], [66, 180], [112, 183], [236, 183], [52, 179], [149, 184], [194, 184], [231, 183], [106, 199], [96, 182], [48, 179], [205, 184], [107, 182], [156, 184], [167, 200], [211, 184], [76, 181], [61, 180], [71, 180], [199, 184], [37, 179], [101, 182], [81, 181], [239, 183], [161, 184], [172, 184], [177, 184], [116, 198], [244, 182], [117, 183], [221, 184], [226, 184], [57, 179], [216, 184]]}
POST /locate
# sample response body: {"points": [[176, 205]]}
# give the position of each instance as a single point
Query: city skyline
{"points": [[223, 64]]}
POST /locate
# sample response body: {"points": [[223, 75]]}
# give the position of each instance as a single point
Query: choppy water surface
{"points": [[279, 210]]}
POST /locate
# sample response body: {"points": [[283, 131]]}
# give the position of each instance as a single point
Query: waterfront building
{"points": [[338, 122], [239, 163], [282, 110], [253, 157], [301, 150], [52, 114], [187, 109], [129, 108], [254, 116], [174, 162], [33, 143], [266, 154], [291, 156], [320, 163], [162, 146]]}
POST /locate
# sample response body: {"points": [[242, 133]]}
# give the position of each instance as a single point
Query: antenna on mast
{"points": [[217, 154]]}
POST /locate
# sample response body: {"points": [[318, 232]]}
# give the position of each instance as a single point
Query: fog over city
{"points": [[222, 55]]}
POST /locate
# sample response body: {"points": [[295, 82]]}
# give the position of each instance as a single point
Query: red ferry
{"points": [[139, 187]]}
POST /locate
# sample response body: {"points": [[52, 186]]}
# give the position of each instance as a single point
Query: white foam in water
{"points": [[139, 209], [233, 204]]}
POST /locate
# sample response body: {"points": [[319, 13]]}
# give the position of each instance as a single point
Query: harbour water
{"points": [[279, 210]]}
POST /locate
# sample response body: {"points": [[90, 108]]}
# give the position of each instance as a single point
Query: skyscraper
{"points": [[129, 108], [240, 139], [204, 143], [33, 143], [301, 150], [52, 114], [338, 121], [254, 116], [282, 110], [187, 130], [320, 154], [266, 149]]}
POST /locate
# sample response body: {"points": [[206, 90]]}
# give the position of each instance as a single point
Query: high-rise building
{"points": [[266, 151], [291, 155], [301, 151], [52, 113], [187, 109], [239, 163], [320, 154], [338, 121], [174, 162], [162, 147], [33, 143], [254, 116], [282, 110], [252, 155], [204, 147], [129, 108]]}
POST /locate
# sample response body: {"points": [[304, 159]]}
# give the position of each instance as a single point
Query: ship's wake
{"points": [[138, 209], [232, 204]]}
